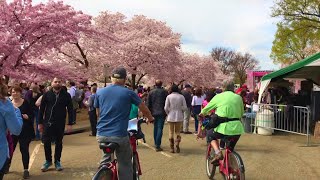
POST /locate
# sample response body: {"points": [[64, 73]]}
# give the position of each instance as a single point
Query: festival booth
{"points": [[254, 78], [292, 118]]}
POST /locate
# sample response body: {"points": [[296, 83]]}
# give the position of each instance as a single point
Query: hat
{"points": [[119, 73], [187, 86]]}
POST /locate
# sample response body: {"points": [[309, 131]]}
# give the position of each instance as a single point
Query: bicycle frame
{"points": [[225, 162], [113, 168], [111, 165], [112, 162], [133, 142]]}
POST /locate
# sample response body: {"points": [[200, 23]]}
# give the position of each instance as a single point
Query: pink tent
{"points": [[254, 77]]}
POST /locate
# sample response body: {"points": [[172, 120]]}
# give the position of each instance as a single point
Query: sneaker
{"points": [[217, 158], [181, 131], [46, 166], [187, 132], [58, 166], [159, 149], [26, 174]]}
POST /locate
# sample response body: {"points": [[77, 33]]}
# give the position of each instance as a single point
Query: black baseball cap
{"points": [[119, 73]]}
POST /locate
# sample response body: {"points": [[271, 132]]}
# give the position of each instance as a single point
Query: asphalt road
{"points": [[265, 157]]}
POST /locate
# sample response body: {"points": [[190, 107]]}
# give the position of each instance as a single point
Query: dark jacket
{"points": [[156, 101], [53, 108], [27, 128], [187, 97]]}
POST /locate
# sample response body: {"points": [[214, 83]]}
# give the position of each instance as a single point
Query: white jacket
{"points": [[175, 107]]}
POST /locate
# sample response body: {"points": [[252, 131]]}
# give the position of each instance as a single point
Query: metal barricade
{"points": [[286, 118]]}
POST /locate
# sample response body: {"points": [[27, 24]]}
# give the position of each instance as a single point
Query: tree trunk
{"points": [[138, 81], [133, 81], [242, 78]]}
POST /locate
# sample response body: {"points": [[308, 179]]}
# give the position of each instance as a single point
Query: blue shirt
{"points": [[114, 103], [10, 118], [91, 102]]}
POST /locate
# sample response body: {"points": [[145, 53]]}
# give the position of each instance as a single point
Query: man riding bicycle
{"points": [[113, 105], [229, 109]]}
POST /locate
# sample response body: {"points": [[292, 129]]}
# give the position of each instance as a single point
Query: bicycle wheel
{"points": [[236, 167], [135, 165], [103, 174], [210, 168]]}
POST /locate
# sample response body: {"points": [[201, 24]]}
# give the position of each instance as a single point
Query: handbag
{"points": [[214, 121]]}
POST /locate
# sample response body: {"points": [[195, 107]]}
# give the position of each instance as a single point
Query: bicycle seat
{"points": [[111, 146]]}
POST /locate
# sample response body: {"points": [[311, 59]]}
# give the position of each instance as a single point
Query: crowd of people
{"points": [[41, 111]]}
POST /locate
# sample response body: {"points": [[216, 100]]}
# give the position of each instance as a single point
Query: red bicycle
{"points": [[108, 170], [231, 167]]}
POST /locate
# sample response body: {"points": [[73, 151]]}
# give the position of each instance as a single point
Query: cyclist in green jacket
{"points": [[229, 106]]}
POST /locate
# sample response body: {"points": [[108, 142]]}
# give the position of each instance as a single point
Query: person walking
{"points": [[92, 111], [27, 133], [113, 104], [52, 120], [186, 92], [196, 104], [175, 106], [32, 96], [156, 101], [8, 121], [75, 100]]}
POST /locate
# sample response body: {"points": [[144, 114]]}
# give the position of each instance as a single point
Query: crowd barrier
{"points": [[265, 118]]}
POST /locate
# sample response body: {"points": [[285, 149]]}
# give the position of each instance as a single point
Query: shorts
{"points": [[215, 136]]}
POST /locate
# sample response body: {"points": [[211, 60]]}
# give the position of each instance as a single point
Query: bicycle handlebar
{"points": [[138, 133]]}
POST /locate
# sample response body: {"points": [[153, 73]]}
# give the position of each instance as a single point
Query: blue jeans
{"points": [[196, 111], [158, 130], [196, 122], [35, 113]]}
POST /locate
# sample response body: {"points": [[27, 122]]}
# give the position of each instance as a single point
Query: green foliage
{"points": [[298, 29], [291, 41]]}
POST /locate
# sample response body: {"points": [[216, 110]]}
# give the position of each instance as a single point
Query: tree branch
{"points": [[71, 57], [84, 56], [20, 57], [16, 16], [138, 81]]}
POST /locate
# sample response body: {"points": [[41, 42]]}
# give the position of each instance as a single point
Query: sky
{"points": [[242, 25]]}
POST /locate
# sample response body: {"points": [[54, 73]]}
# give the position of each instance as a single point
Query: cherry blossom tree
{"points": [[29, 32], [197, 70], [147, 47]]}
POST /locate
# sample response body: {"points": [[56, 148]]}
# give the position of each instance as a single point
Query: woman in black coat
{"points": [[27, 133]]}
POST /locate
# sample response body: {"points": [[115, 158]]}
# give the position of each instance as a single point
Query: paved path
{"points": [[265, 157]]}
